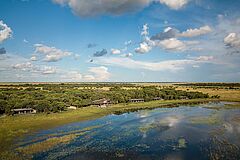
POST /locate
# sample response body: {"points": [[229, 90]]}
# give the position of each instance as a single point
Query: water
{"points": [[205, 131]]}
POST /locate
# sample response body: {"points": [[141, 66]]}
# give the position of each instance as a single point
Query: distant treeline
{"points": [[56, 97], [222, 85], [71, 85]]}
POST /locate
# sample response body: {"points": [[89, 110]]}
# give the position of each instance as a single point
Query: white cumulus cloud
{"points": [[196, 32], [146, 45], [143, 48], [174, 4], [169, 40], [86, 8], [172, 44], [29, 67], [5, 32], [232, 40], [115, 51], [51, 54]]}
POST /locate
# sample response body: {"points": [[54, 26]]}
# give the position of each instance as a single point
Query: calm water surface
{"points": [[205, 131]]}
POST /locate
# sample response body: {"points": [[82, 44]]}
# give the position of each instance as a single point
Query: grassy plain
{"points": [[225, 94]]}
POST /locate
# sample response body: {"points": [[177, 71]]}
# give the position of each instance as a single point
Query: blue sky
{"points": [[127, 40]]}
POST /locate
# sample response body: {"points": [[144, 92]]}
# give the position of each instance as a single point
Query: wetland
{"points": [[201, 131]]}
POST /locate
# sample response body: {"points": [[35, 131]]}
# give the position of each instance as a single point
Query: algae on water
{"points": [[182, 143], [210, 120]]}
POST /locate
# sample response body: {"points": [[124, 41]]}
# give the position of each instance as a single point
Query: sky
{"points": [[120, 41]]}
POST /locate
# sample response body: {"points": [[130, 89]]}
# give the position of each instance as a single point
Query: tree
{"points": [[57, 106], [42, 106], [3, 106]]}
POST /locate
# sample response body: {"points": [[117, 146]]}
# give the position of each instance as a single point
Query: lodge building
{"points": [[136, 100], [101, 103], [24, 111]]}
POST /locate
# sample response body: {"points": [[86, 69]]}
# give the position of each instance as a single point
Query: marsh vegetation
{"points": [[188, 131]]}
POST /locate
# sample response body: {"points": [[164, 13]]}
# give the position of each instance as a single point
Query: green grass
{"points": [[15, 127]]}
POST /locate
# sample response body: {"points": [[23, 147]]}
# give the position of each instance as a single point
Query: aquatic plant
{"points": [[210, 120], [182, 143], [45, 145], [147, 127]]}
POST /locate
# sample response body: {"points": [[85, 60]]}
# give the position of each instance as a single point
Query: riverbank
{"points": [[13, 127]]}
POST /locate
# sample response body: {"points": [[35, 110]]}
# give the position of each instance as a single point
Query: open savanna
{"points": [[15, 127], [225, 94]]}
